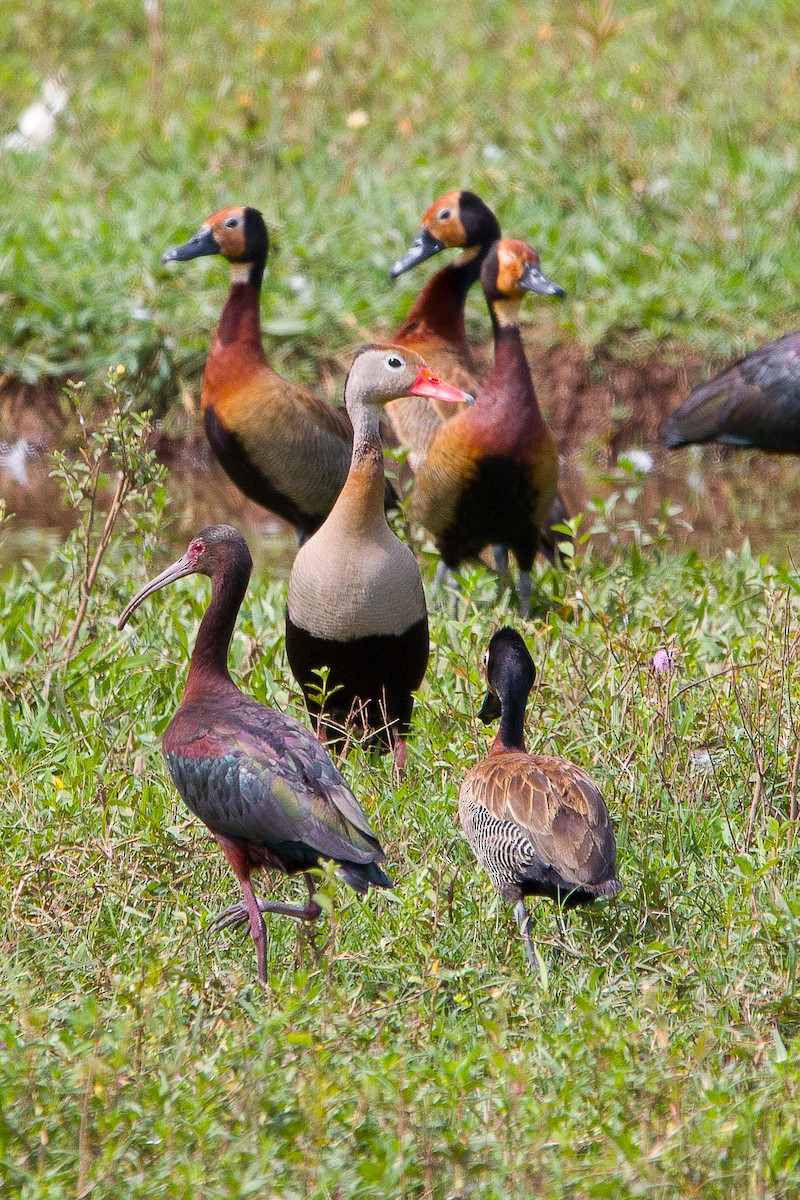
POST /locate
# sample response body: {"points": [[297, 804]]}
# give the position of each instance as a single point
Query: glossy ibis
{"points": [[258, 779], [755, 403]]}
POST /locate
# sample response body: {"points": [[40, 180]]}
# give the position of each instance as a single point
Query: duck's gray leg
{"points": [[524, 589], [444, 576], [500, 559], [524, 923]]}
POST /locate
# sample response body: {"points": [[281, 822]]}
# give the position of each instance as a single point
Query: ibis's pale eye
{"points": [[232, 223], [394, 362], [445, 214]]}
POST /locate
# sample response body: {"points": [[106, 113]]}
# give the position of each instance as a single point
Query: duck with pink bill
{"points": [[356, 605]]}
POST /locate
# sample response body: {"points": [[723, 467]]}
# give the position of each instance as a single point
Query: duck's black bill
{"points": [[202, 243], [425, 245]]}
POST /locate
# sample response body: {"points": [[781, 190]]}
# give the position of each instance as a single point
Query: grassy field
{"points": [[403, 1049], [649, 151]]}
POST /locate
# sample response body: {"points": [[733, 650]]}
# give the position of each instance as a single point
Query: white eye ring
{"points": [[444, 215], [394, 362], [232, 223]]}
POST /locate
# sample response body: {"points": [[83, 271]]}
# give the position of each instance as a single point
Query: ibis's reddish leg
{"points": [[238, 913], [238, 855], [258, 930]]}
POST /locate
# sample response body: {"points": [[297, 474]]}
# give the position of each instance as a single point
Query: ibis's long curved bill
{"points": [[184, 566]]}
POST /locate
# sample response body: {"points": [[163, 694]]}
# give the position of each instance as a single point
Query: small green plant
{"points": [[110, 476]]}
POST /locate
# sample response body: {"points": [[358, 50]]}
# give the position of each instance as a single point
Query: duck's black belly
{"points": [[378, 673], [496, 507]]}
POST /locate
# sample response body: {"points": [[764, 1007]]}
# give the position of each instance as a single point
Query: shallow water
{"points": [[705, 498]]}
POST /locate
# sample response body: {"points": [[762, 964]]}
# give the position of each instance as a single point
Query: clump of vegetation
{"points": [[403, 1047], [648, 151]]}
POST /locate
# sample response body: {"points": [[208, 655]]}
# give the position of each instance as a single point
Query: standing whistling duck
{"points": [[258, 779], [435, 325], [284, 447], [537, 824], [356, 604], [755, 403], [435, 328], [491, 473]]}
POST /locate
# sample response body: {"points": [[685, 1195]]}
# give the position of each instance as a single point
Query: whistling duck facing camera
{"points": [[435, 328], [537, 824], [258, 779], [491, 473], [284, 447], [435, 325], [356, 604], [755, 403]]}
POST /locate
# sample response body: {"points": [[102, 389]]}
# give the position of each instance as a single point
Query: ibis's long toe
{"points": [[238, 914]]}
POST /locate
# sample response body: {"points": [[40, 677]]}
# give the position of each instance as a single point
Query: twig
{"points": [[91, 574], [793, 787], [759, 761]]}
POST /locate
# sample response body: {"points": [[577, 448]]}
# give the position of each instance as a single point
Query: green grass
{"points": [[649, 151], [403, 1049]]}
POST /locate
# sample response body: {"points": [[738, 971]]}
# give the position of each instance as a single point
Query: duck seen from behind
{"points": [[491, 474], [754, 403], [284, 447], [538, 824], [356, 604], [258, 779]]}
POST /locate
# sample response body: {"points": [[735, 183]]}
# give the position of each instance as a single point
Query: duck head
{"points": [[457, 219], [380, 373], [509, 673], [216, 550], [237, 233], [511, 269]]}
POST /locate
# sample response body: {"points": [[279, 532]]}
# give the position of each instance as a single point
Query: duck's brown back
{"points": [[538, 823]]}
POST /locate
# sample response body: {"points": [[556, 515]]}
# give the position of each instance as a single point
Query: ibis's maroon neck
{"points": [[209, 665]]}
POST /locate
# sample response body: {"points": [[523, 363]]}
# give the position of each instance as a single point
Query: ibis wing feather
{"points": [[262, 776], [753, 402]]}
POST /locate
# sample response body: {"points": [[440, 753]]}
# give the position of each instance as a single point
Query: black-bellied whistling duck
{"points": [[537, 824], [435, 328], [284, 447], [491, 474], [258, 779], [356, 604], [755, 403]]}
